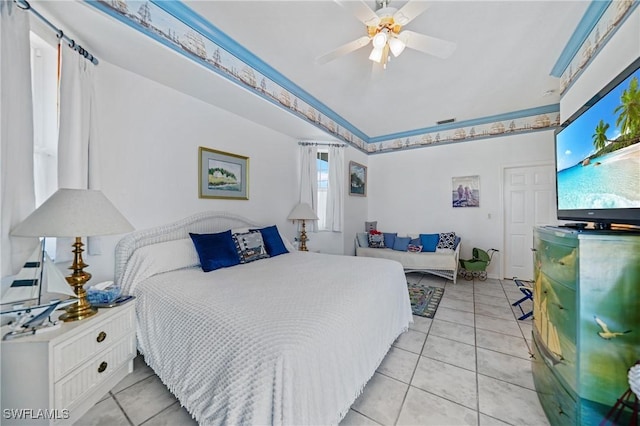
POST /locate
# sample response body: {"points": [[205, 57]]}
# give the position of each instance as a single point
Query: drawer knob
{"points": [[101, 336], [102, 367]]}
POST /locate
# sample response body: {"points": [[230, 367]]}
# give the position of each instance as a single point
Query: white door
{"points": [[529, 201]]}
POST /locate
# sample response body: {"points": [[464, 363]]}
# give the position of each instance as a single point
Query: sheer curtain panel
{"points": [[16, 133], [335, 192], [309, 180], [77, 136]]}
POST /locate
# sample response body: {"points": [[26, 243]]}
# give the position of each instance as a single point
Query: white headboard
{"points": [[205, 222]]}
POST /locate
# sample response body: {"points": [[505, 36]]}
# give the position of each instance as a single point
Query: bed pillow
{"points": [[155, 259], [363, 239], [401, 243], [389, 238], [215, 250], [446, 240], [272, 240], [250, 246], [429, 242]]}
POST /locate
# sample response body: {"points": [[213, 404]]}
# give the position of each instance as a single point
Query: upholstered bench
{"points": [[442, 264]]}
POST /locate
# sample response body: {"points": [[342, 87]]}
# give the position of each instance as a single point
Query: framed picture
{"points": [[466, 191], [223, 175], [357, 179]]}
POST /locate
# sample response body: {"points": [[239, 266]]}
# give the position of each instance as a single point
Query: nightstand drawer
{"points": [[94, 372], [74, 353]]}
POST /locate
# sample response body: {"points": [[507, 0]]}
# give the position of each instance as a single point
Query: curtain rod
{"points": [[24, 5], [304, 143]]}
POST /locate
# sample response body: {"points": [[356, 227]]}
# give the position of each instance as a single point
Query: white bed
{"points": [[291, 339]]}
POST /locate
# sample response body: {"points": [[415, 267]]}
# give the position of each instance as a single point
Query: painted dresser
{"points": [[586, 332]]}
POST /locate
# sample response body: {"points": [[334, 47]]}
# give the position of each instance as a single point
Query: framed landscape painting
{"points": [[466, 191], [223, 175], [357, 179]]}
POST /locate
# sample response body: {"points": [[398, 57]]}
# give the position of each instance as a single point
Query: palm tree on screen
{"points": [[600, 135], [629, 110]]}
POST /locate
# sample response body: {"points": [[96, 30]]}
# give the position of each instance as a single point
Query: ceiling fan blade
{"points": [[410, 11], [427, 44], [360, 10], [343, 50]]}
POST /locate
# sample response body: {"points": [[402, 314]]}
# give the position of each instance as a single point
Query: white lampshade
{"points": [[396, 46], [74, 213], [302, 211]]}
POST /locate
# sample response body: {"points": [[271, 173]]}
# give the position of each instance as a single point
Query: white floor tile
{"points": [[448, 381], [145, 399], [423, 408], [499, 342], [509, 403], [172, 416], [499, 325], [382, 399], [353, 418], [399, 364], [507, 368], [453, 331], [449, 351], [411, 341], [455, 316], [421, 324], [104, 413]]}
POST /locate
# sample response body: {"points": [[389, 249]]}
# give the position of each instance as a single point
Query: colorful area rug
{"points": [[424, 299]]}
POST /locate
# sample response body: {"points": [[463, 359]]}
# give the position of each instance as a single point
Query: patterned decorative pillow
{"points": [[250, 246], [376, 239], [414, 248], [447, 240]]}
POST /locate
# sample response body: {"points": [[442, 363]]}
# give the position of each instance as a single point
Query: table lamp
{"points": [[75, 213], [302, 211]]}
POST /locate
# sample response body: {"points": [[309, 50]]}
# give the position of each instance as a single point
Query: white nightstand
{"points": [[63, 373]]}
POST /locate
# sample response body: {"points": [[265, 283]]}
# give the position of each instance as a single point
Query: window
{"points": [[44, 84], [322, 165], [44, 92]]}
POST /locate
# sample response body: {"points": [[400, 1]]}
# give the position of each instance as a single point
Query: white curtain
{"points": [[77, 135], [335, 191], [16, 134], [309, 180]]}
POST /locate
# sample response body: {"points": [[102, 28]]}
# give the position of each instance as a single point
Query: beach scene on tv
{"points": [[598, 155]]}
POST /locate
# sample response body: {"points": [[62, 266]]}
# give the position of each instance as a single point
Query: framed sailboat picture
{"points": [[357, 179], [223, 175]]}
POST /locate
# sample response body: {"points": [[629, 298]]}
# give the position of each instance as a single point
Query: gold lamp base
{"points": [[303, 238], [82, 309]]}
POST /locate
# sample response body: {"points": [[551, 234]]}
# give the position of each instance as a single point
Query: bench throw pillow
{"points": [[429, 242], [447, 240], [272, 240], [376, 239], [389, 238], [401, 243], [363, 239]]}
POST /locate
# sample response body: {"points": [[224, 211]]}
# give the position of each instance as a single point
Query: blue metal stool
{"points": [[528, 295]]}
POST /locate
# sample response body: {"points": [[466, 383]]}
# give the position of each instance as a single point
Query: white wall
{"points": [[410, 191]]}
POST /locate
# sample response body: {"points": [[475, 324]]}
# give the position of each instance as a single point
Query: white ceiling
{"points": [[505, 53]]}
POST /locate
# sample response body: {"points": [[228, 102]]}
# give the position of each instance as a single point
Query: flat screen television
{"points": [[598, 156]]}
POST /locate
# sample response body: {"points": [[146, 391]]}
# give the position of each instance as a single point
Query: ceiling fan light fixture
{"points": [[380, 39], [376, 54], [396, 46]]}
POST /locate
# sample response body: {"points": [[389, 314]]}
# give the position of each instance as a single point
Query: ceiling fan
{"points": [[384, 31]]}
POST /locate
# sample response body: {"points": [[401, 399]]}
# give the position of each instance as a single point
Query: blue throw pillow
{"points": [[389, 238], [401, 243], [416, 242], [215, 250], [429, 241], [272, 240]]}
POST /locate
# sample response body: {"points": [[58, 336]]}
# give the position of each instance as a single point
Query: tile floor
{"points": [[468, 366]]}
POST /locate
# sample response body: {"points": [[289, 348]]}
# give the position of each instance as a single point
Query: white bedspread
{"points": [[287, 340]]}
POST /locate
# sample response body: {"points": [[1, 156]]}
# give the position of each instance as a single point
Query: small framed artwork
{"points": [[466, 191], [357, 179], [222, 175]]}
